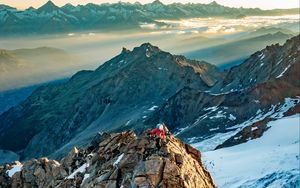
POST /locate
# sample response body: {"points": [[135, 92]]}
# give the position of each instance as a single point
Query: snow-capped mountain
{"points": [[263, 88], [71, 18], [145, 86]]}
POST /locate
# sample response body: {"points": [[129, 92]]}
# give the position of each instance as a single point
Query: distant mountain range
{"points": [[50, 18], [138, 89], [21, 67], [237, 50], [10, 60]]}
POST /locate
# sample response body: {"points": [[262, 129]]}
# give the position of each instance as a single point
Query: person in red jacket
{"points": [[158, 132]]}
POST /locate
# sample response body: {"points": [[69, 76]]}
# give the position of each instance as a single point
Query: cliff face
{"points": [[116, 160]]}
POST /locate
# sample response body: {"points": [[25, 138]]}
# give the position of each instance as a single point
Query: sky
{"points": [[263, 4]]}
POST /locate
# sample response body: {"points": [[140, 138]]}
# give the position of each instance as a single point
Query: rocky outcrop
{"points": [[117, 160]]}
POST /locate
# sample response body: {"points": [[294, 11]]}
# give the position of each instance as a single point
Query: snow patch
{"points": [[214, 108], [232, 117], [275, 112], [160, 68], [254, 128], [153, 108], [274, 153], [128, 122], [180, 130], [118, 160], [279, 61], [81, 169], [147, 53], [86, 176], [281, 74], [261, 56], [220, 114], [288, 104], [15, 169]]}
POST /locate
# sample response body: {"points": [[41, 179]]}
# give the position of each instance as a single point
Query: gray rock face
{"points": [[196, 115], [116, 95], [265, 65], [119, 160]]}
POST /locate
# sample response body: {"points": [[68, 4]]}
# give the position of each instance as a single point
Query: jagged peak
{"points": [[125, 50], [30, 8], [49, 3], [214, 3], [49, 6], [157, 2], [147, 47], [68, 5]]}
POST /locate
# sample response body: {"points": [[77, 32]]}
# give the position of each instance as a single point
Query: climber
{"points": [[158, 132]]}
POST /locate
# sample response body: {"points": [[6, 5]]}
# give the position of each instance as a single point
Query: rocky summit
{"points": [[115, 160]]}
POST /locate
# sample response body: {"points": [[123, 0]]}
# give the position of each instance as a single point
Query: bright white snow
{"points": [[277, 151], [128, 122], [118, 160], [220, 114], [262, 56], [281, 74], [254, 128], [153, 108], [16, 168], [232, 117], [81, 169], [275, 112], [86, 176]]}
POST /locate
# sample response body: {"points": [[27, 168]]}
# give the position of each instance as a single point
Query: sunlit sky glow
{"points": [[263, 4]]}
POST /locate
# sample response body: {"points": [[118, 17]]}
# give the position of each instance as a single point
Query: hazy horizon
{"points": [[263, 4]]}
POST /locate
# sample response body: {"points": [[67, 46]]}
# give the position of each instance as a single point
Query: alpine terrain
{"points": [[201, 105]]}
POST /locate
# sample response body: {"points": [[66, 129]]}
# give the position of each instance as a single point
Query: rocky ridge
{"points": [[263, 88], [115, 160]]}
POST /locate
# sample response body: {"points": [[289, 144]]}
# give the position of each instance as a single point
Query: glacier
{"points": [[269, 161]]}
